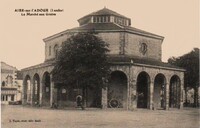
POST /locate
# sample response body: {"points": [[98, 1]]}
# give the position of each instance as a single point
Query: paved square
{"points": [[28, 117]]}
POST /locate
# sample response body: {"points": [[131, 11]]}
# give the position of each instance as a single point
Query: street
{"points": [[29, 117]]}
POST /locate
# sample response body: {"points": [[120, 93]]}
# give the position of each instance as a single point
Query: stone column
{"points": [[32, 92], [28, 91], [104, 98], [167, 97], [128, 95], [181, 94], [55, 93], [23, 94], [133, 95], [51, 91], [41, 92], [151, 107]]}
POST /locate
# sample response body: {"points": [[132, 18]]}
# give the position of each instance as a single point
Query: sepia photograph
{"points": [[99, 64]]}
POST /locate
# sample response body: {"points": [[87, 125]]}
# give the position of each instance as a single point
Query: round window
{"points": [[143, 48]]}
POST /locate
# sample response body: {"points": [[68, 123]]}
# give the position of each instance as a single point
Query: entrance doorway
{"points": [[159, 95], [117, 90], [143, 83], [174, 97], [46, 94]]}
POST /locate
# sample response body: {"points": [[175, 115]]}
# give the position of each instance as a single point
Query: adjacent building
{"points": [[139, 78], [11, 84]]}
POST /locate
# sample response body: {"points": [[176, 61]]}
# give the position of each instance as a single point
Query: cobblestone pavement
{"points": [[28, 117]]}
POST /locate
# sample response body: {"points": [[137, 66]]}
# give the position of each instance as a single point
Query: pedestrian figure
{"points": [[54, 105], [79, 101]]}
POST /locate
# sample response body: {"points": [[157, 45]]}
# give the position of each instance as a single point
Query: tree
{"points": [[190, 62], [82, 61]]}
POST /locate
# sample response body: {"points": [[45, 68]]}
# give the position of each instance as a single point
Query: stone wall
{"points": [[134, 42], [113, 39], [52, 43], [119, 43]]}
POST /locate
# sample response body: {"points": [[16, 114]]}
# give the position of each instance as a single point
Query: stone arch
{"points": [[117, 89], [46, 87], [143, 84], [36, 88], [174, 92], [159, 95], [123, 70], [27, 89]]}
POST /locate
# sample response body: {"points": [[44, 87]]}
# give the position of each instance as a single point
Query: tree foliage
{"points": [[82, 61], [190, 62]]}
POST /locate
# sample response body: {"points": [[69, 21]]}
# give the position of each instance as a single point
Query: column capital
{"points": [[133, 80]]}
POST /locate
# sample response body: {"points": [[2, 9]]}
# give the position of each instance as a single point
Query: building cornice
{"points": [[42, 65], [103, 31], [160, 67], [146, 65]]}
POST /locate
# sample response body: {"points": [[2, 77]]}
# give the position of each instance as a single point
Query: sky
{"points": [[22, 37]]}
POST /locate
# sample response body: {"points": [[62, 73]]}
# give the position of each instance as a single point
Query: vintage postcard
{"points": [[108, 63]]}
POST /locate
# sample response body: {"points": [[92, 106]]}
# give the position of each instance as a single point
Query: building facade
{"points": [[139, 78], [11, 86]]}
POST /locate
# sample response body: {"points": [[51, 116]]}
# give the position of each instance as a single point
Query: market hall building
{"points": [[139, 79]]}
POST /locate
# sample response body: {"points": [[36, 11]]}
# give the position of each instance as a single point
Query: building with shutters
{"points": [[11, 84]]}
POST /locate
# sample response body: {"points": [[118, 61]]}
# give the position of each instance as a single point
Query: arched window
{"points": [[56, 51], [9, 80], [143, 48]]}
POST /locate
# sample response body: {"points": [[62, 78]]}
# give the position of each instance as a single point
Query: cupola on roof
{"points": [[105, 20], [105, 15], [105, 11]]}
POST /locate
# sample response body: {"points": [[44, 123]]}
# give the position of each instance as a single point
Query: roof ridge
{"points": [[8, 65], [141, 30]]}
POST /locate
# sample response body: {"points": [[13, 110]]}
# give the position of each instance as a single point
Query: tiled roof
{"points": [[45, 64], [6, 66], [112, 27], [140, 31], [121, 59], [137, 60], [105, 11]]}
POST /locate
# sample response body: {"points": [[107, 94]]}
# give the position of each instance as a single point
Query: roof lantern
{"points": [[105, 15]]}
